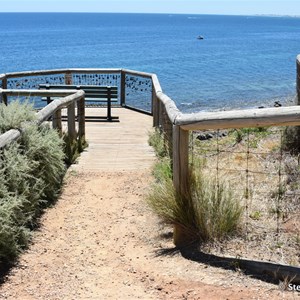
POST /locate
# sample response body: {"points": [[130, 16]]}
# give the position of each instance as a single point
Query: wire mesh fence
{"points": [[258, 168], [138, 92]]}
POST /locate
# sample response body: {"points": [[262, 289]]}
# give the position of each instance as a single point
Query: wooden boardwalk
{"points": [[119, 145]]}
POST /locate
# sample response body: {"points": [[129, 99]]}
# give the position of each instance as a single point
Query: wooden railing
{"points": [[175, 125], [172, 122], [68, 100]]}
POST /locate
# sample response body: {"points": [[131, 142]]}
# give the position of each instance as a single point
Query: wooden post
{"points": [[56, 121], [81, 118], [167, 128], [123, 89], [298, 80], [161, 114], [181, 178], [155, 108], [68, 78], [3, 96], [71, 122]]}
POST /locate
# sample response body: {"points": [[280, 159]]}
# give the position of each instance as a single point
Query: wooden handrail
{"points": [[275, 116], [138, 73], [57, 104], [9, 136], [41, 93], [61, 71], [51, 109]]}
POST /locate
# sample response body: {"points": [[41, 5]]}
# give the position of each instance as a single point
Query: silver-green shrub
{"points": [[31, 172]]}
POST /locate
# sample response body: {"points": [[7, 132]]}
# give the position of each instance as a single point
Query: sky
{"points": [[228, 7]]}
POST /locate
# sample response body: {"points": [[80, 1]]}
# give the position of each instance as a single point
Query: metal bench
{"points": [[93, 93]]}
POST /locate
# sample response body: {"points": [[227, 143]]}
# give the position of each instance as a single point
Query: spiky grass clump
{"points": [[215, 209], [31, 172], [209, 211]]}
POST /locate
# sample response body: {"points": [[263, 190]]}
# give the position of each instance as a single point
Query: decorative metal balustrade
{"points": [[134, 88]]}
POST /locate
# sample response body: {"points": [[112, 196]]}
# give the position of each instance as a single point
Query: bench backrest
{"points": [[91, 91]]}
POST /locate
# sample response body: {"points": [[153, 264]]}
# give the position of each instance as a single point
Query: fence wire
{"points": [[262, 174]]}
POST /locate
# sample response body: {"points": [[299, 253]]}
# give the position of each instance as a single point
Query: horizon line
{"points": [[153, 13]]}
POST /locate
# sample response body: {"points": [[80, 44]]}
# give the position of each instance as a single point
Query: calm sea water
{"points": [[242, 61]]}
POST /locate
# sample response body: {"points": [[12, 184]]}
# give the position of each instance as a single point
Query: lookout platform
{"points": [[120, 145]]}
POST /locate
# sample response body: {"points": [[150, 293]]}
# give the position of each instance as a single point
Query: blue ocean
{"points": [[242, 61]]}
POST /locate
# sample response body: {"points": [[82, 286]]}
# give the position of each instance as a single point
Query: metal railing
{"points": [[134, 88]]}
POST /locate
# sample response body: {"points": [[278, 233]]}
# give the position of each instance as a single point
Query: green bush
{"points": [[209, 210], [12, 115], [31, 172], [156, 140]]}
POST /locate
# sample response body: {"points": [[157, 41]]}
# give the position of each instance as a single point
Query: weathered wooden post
{"points": [[123, 89], [56, 121], [71, 111], [181, 178], [161, 114], [3, 96], [71, 122], [295, 131], [167, 128], [298, 80], [81, 118], [68, 78], [155, 107]]}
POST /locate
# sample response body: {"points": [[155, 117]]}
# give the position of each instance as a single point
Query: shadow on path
{"points": [[265, 271]]}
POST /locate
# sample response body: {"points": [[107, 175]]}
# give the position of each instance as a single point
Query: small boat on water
{"points": [[200, 37]]}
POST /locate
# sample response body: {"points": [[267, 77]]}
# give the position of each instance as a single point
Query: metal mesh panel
{"points": [[138, 91], [98, 79], [32, 82], [264, 178]]}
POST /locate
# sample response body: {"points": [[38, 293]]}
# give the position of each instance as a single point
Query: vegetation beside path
{"points": [[31, 174]]}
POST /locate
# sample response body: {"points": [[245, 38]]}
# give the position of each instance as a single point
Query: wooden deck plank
{"points": [[119, 145]]}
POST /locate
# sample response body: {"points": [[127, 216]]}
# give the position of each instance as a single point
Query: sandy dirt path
{"points": [[100, 241]]}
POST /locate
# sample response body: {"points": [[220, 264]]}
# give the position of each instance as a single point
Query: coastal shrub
{"points": [[209, 210], [31, 172], [12, 115], [44, 148], [156, 140]]}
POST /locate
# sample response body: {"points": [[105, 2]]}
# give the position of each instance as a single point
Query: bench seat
{"points": [[93, 94]]}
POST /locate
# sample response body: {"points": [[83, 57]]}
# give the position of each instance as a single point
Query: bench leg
{"points": [[109, 118]]}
